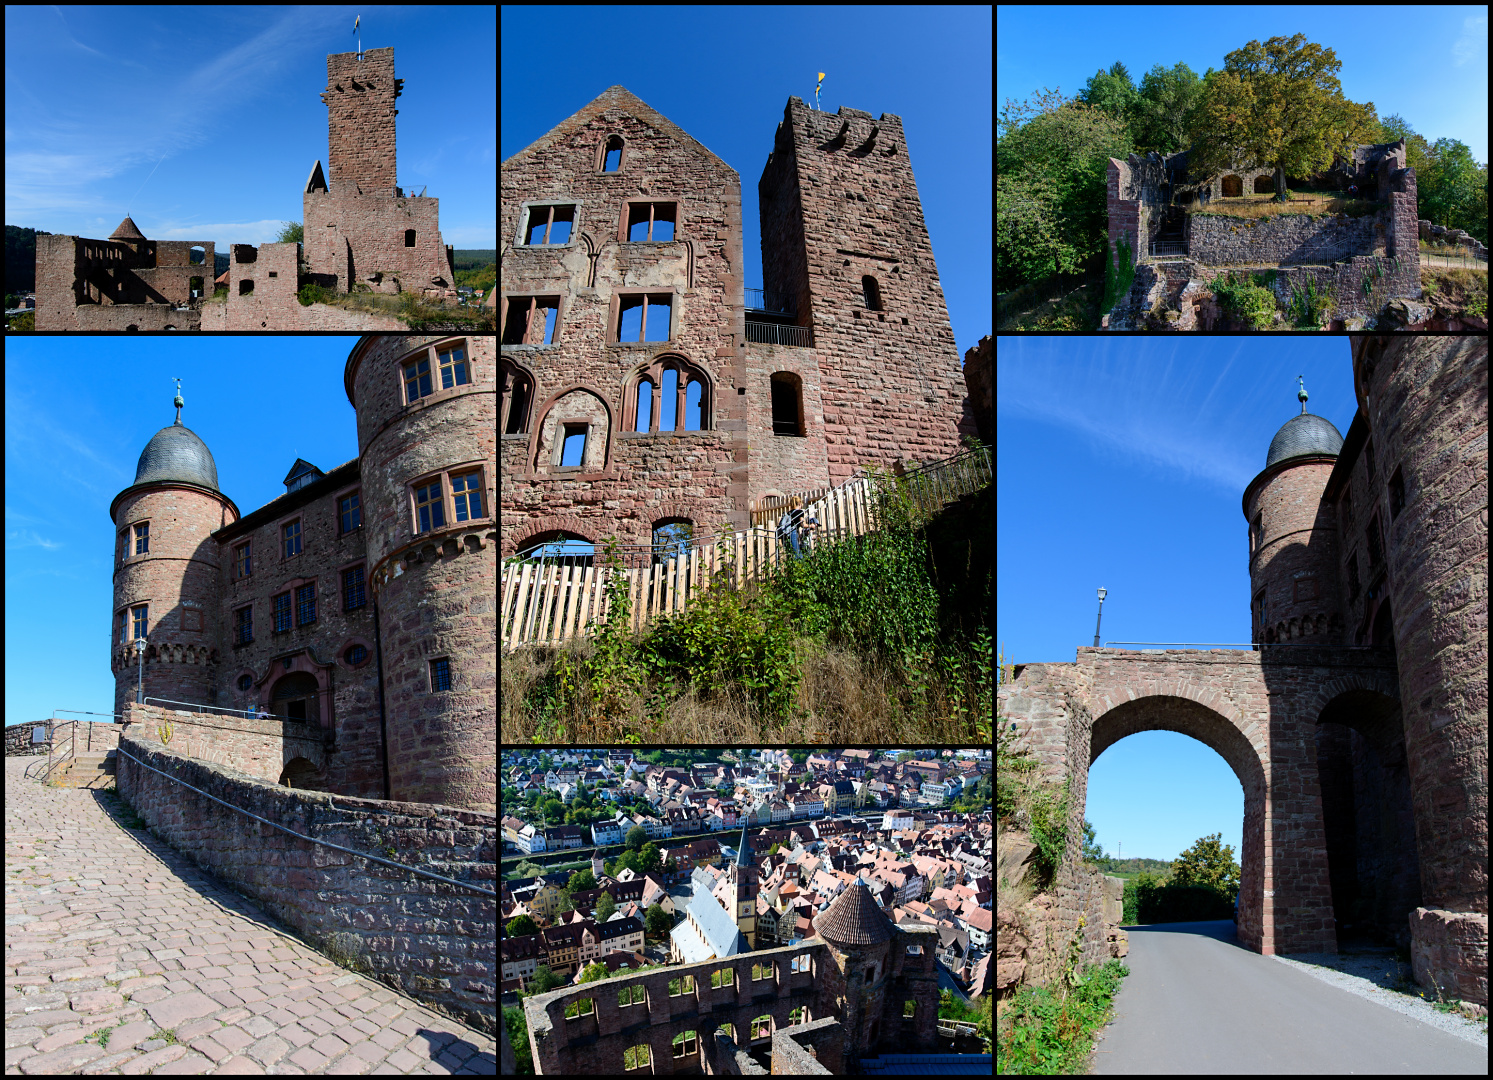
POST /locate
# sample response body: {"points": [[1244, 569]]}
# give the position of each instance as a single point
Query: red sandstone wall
{"points": [[435, 589], [360, 95], [356, 236], [180, 571], [1295, 567], [891, 381], [433, 941], [631, 479]]}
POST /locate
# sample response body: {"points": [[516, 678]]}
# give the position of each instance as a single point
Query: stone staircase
{"points": [[93, 770]]}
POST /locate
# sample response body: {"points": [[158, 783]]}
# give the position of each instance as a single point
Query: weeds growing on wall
{"points": [[1248, 299], [843, 644], [1117, 281], [1308, 308], [1049, 1030]]}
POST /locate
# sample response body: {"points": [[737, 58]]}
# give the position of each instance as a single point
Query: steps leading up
{"points": [[93, 770]]}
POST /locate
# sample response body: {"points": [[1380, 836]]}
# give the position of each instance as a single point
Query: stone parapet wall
{"points": [[433, 941], [18, 738], [1223, 240]]}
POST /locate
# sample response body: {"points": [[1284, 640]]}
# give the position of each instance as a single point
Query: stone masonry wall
{"points": [[360, 95], [260, 748], [427, 939], [891, 379], [630, 479], [435, 587], [1221, 240]]}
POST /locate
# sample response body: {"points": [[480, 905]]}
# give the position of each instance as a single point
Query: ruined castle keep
{"points": [[859, 985], [346, 627], [1358, 725], [641, 388], [1158, 213], [360, 231]]}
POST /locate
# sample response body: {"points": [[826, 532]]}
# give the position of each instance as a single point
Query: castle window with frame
{"points": [[466, 495], [1257, 533], [355, 655], [453, 364], [611, 154], [353, 594], [430, 513], [349, 512], [243, 625], [440, 675], [305, 604], [547, 225], [409, 239], [292, 533], [121, 620], [282, 612], [787, 403], [872, 292], [644, 317], [518, 395], [142, 538], [141, 617], [651, 222], [242, 561], [245, 681], [669, 394], [531, 320], [1396, 493], [417, 380]]}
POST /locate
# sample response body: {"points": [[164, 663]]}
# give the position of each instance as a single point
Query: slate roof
{"points": [[853, 918], [1302, 435]]}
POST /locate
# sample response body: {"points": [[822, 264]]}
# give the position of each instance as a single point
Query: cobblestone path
{"points": [[122, 957]]}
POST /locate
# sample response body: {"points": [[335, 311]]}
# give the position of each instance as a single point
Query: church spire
{"points": [[743, 850]]}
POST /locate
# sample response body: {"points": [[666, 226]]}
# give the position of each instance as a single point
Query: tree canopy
{"points": [[1279, 104], [1208, 862]]}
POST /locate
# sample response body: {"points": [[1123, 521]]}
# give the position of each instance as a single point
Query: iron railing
{"points": [[1168, 247], [767, 333]]}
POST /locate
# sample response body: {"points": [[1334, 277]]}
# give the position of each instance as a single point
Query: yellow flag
{"points": [[821, 76]]}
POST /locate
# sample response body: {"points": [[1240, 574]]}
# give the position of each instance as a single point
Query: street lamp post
{"points": [[1101, 616], [140, 677]]}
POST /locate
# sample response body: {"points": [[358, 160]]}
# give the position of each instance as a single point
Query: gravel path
{"points": [[1374, 975], [122, 957]]}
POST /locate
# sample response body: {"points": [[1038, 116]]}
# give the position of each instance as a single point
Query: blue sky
{"points": [[1122, 462], [79, 413], [204, 122], [1431, 68], [724, 75]]}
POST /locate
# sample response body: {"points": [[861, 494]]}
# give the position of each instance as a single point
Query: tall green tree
{"points": [[1113, 92], [1279, 104], [1168, 100], [1209, 862]]}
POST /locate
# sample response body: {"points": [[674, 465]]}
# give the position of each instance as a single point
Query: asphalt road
{"points": [[1198, 1002]]}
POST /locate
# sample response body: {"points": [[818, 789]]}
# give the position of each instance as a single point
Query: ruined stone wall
{"points": [[1222, 240], [433, 941], [628, 479], [389, 243], [1134, 189], [594, 1043], [360, 96]]}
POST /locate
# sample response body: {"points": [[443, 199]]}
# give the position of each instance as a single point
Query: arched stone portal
{"points": [[1260, 710], [1234, 739]]}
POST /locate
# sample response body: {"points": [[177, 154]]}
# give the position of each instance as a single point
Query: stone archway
{"points": [[1240, 742], [1232, 187]]}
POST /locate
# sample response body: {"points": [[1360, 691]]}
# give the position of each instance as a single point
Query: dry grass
{"points": [[842, 698], [1264, 206]]}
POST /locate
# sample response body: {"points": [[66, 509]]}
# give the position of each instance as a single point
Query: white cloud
{"points": [[1474, 39]]}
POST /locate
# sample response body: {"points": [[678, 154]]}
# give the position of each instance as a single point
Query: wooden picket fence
{"points": [[545, 601]]}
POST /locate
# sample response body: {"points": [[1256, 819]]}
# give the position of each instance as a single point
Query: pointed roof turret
{"points": [[854, 918], [743, 851], [127, 231]]}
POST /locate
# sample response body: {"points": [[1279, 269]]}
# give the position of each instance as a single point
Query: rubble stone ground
{"points": [[121, 956]]}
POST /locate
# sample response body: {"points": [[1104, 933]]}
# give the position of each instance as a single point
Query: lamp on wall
{"points": [[140, 678], [1101, 616]]}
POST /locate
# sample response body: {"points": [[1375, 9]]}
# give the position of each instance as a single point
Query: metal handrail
{"points": [[1251, 644], [324, 843]]}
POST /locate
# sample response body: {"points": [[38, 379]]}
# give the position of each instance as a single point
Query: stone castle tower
{"points": [[357, 608], [1293, 552], [641, 389], [360, 227], [167, 570]]}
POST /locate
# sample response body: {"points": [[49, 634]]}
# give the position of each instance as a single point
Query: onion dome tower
{"points": [[1293, 564], [166, 570]]}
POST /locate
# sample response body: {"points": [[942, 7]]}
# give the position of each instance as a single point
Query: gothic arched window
{"points": [[668, 394]]}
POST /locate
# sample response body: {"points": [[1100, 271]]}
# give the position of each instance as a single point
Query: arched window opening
{"points": [[1233, 187], [787, 404], [872, 293], [672, 537], [1264, 185], [693, 393], [518, 395], [645, 406], [669, 404]]}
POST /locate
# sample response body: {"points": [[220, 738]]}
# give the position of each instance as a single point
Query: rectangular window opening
{"points": [[574, 449], [531, 320], [547, 225], [650, 222]]}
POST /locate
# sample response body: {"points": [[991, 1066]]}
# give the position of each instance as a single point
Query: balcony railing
{"points": [[773, 334]]}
